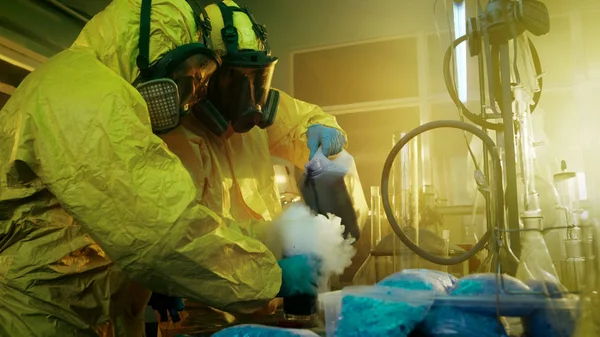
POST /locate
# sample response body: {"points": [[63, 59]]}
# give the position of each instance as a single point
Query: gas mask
{"points": [[179, 79], [239, 94]]}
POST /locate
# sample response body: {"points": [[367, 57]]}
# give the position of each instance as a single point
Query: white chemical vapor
{"points": [[302, 232]]}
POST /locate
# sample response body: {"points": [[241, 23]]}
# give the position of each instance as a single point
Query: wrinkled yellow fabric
{"points": [[92, 204], [234, 175], [246, 34]]}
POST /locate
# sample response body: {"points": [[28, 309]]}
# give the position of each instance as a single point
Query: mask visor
{"points": [[251, 83], [192, 78], [240, 92]]}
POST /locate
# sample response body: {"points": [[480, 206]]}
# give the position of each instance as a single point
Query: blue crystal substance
{"points": [[421, 279], [253, 330], [395, 313], [363, 315], [473, 319], [428, 303]]}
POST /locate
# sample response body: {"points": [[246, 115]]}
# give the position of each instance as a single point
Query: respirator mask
{"points": [[239, 94], [179, 79]]}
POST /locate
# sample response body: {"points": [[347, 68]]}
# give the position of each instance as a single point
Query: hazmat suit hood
{"points": [[234, 175], [246, 35], [113, 34]]}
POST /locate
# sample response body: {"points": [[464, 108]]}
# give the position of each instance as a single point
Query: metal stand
{"points": [[510, 165]]}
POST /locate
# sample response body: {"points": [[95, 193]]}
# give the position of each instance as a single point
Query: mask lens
{"points": [[240, 92], [238, 89], [258, 81], [186, 88], [192, 77]]}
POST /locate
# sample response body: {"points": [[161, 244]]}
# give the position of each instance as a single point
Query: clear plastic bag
{"points": [[421, 279], [535, 262], [331, 185], [379, 311], [432, 303], [552, 320], [459, 316], [253, 330]]}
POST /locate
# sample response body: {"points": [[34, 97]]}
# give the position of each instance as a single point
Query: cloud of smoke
{"points": [[302, 232]]}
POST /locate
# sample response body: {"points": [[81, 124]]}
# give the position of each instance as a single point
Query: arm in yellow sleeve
{"points": [[287, 136], [138, 202]]}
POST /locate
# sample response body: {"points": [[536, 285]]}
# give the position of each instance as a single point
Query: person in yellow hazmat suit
{"points": [[227, 141], [95, 211]]}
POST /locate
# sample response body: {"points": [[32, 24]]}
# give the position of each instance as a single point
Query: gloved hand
{"points": [[300, 275], [332, 141], [164, 304]]}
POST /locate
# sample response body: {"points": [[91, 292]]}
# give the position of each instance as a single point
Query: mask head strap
{"points": [[203, 24], [259, 30], [143, 59], [229, 32], [161, 93]]}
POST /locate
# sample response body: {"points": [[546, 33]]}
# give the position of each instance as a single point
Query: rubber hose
{"points": [[488, 144], [459, 104]]}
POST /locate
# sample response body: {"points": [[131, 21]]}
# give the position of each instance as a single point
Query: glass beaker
{"points": [[568, 191], [588, 321]]}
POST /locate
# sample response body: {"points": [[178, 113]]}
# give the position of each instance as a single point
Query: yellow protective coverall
{"points": [[93, 204], [234, 175]]}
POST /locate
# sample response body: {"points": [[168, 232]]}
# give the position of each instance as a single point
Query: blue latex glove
{"points": [[300, 275], [332, 141], [164, 304]]}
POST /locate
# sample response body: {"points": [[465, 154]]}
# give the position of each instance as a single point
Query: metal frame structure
{"points": [[426, 99]]}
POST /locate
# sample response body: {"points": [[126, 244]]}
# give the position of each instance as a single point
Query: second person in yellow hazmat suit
{"points": [[228, 140], [94, 208]]}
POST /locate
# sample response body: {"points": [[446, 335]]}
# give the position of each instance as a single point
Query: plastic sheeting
{"points": [[551, 321], [252, 330], [433, 303], [332, 185], [421, 279], [382, 311], [535, 262]]}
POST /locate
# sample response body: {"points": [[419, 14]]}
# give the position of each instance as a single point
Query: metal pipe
{"points": [[486, 164], [505, 229], [512, 201]]}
